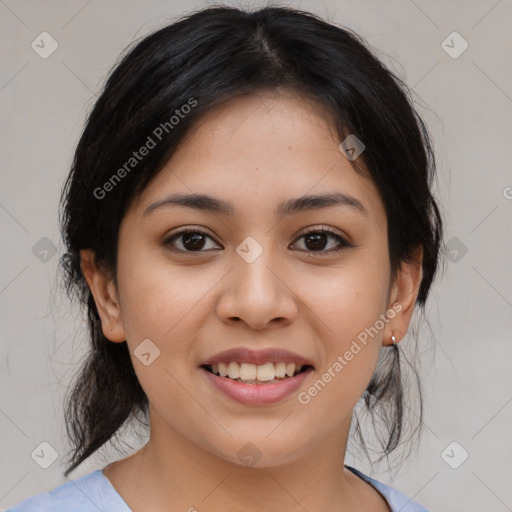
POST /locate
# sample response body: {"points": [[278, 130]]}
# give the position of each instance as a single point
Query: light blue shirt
{"points": [[94, 492]]}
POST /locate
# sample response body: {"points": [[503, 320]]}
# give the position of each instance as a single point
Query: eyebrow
{"points": [[211, 204]]}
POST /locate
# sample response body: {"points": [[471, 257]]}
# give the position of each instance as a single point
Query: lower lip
{"points": [[257, 394]]}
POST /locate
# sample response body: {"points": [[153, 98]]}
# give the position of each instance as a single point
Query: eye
{"points": [[192, 240], [316, 239]]}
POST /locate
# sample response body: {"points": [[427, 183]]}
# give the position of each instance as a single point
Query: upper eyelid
{"points": [[320, 228]]}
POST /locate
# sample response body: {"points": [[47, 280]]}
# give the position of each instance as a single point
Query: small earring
{"points": [[393, 339]]}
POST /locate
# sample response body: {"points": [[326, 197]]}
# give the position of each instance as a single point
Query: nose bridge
{"points": [[256, 293], [255, 259]]}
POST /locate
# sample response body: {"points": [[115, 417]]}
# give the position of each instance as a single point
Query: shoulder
{"points": [[397, 501], [89, 493]]}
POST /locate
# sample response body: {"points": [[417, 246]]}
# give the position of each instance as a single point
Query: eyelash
{"points": [[342, 241]]}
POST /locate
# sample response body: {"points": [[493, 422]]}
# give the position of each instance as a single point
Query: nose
{"points": [[258, 294]]}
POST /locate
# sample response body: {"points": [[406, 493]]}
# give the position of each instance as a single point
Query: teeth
{"points": [[290, 369], [265, 372], [223, 369], [280, 369], [252, 372], [233, 370], [247, 371]]}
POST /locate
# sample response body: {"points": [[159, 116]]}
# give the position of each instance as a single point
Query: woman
{"points": [[250, 222]]}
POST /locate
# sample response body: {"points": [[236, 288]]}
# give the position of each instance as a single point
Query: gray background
{"points": [[467, 103]]}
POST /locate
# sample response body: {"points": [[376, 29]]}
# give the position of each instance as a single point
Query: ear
{"points": [[104, 292], [402, 301]]}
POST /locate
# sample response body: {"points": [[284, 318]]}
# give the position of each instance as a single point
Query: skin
{"points": [[254, 151]]}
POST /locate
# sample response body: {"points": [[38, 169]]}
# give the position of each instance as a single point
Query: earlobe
{"points": [[105, 297], [403, 297]]}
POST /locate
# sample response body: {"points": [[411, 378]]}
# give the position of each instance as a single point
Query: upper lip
{"points": [[247, 355]]}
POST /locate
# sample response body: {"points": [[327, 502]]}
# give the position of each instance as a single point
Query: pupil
{"points": [[197, 241], [318, 241]]}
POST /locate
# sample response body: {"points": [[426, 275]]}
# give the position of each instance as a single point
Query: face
{"points": [[254, 278]]}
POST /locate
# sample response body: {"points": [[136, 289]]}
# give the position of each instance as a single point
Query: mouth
{"points": [[256, 385], [258, 375]]}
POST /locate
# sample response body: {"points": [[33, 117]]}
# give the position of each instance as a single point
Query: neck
{"points": [[171, 472]]}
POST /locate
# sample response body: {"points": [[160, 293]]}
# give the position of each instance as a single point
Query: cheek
{"points": [[158, 304], [347, 300], [166, 304], [157, 296], [347, 309]]}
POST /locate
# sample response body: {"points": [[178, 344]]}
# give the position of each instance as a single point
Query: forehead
{"points": [[259, 149]]}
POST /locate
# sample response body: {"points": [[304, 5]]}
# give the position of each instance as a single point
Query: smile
{"points": [[263, 388]]}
